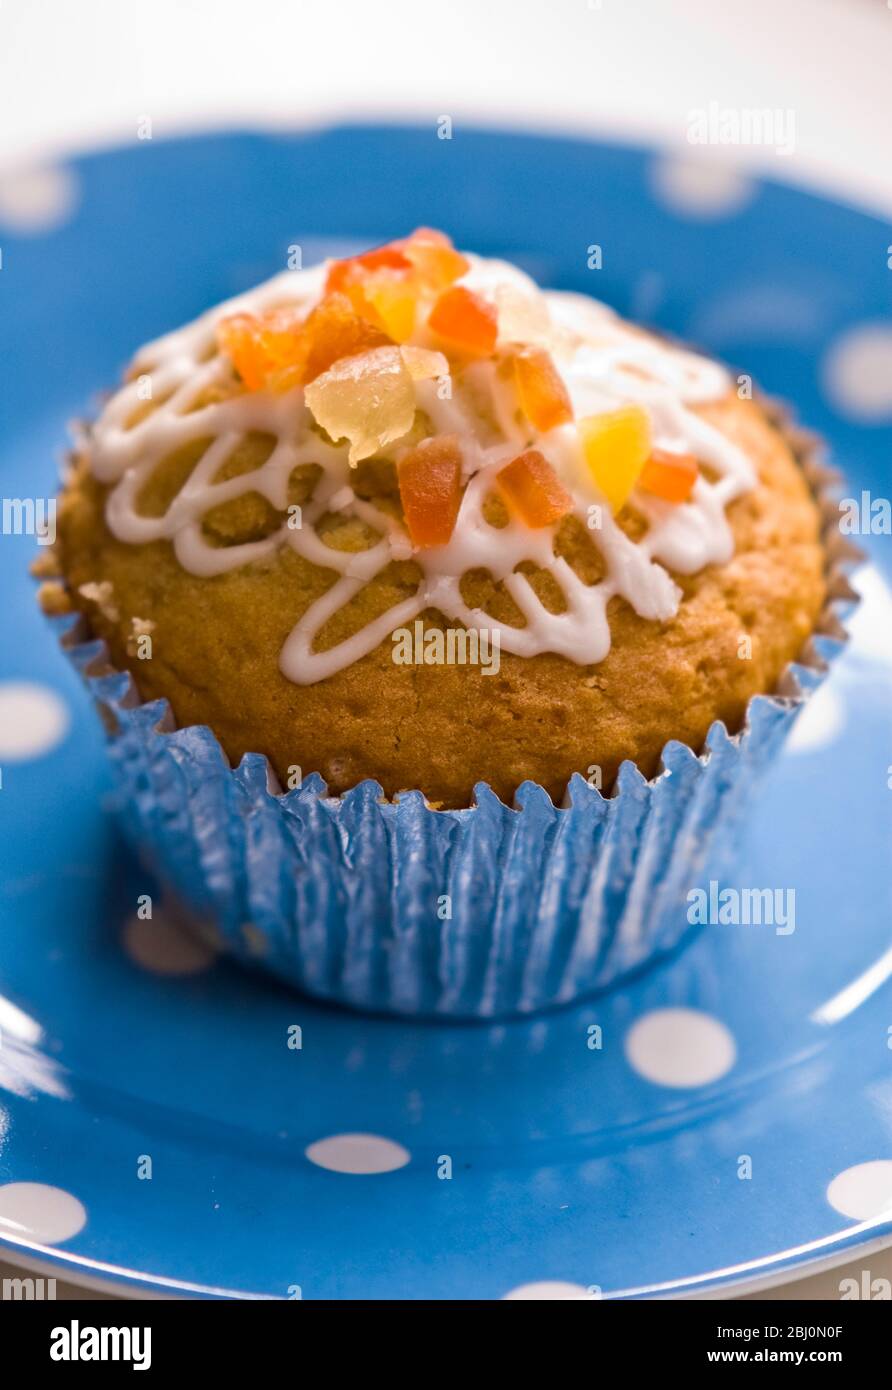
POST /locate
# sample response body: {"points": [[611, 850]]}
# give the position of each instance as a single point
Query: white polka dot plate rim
{"points": [[170, 1125]]}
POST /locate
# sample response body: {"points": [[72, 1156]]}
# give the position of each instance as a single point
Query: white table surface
{"points": [[76, 73]]}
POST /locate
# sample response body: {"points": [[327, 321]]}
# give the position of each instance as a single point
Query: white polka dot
{"points": [[548, 1290], [680, 1047], [358, 1153], [162, 944], [759, 308], [33, 720], [864, 1191], [37, 200], [37, 1211], [704, 189], [818, 724], [857, 373]]}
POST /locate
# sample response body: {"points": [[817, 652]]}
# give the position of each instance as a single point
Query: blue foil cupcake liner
{"points": [[476, 913]]}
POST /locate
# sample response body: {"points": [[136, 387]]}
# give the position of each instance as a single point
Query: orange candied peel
{"points": [[331, 331], [670, 476], [384, 284], [532, 489], [430, 489], [369, 301], [353, 270], [543, 396], [260, 345], [434, 257], [616, 445], [368, 400], [426, 251], [278, 350], [466, 320], [381, 286]]}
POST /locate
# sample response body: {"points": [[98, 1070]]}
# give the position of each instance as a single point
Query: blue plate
{"points": [[167, 1122]]}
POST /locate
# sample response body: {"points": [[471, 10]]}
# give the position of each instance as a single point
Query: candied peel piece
{"points": [[389, 283], [616, 445], [430, 489], [368, 399], [423, 364], [370, 301], [381, 285], [385, 284], [426, 255], [239, 338], [353, 270], [668, 475], [280, 349], [466, 320], [260, 345], [532, 489], [434, 257], [331, 331], [389, 299], [543, 396]]}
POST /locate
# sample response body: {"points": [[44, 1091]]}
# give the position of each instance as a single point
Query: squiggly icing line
{"points": [[604, 363]]}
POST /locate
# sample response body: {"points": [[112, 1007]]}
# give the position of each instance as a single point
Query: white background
{"points": [[85, 72]]}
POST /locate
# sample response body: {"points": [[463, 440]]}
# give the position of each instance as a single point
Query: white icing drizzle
{"points": [[604, 363]]}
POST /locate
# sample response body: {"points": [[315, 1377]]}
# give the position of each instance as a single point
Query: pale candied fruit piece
{"points": [[532, 489], [466, 320], [368, 400], [434, 257], [430, 489], [669, 475], [616, 445], [543, 396], [424, 364]]}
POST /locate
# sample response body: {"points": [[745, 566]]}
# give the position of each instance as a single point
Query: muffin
{"points": [[407, 522]]}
